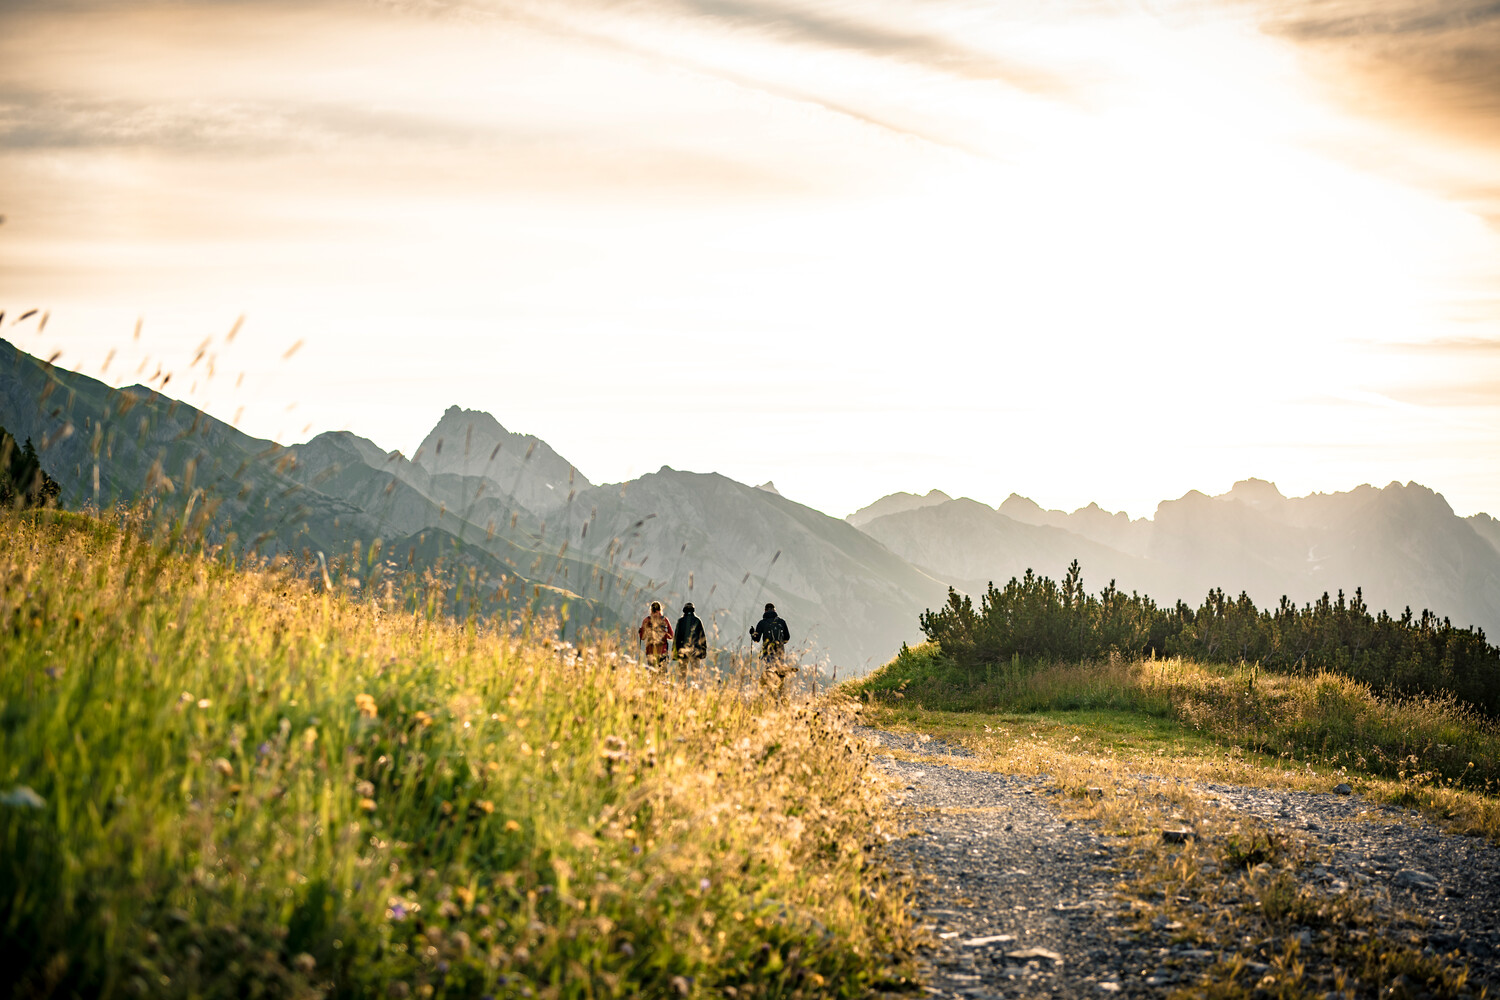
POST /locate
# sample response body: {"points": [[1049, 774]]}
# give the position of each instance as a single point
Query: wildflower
{"points": [[204, 703], [366, 706], [223, 766], [304, 963], [511, 826], [54, 672], [396, 912], [424, 719], [263, 750], [614, 749], [367, 804], [485, 806], [703, 884], [364, 789]]}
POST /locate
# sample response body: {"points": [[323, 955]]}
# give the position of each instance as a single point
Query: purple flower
{"points": [[263, 749], [397, 912], [703, 884], [442, 968], [635, 850]]}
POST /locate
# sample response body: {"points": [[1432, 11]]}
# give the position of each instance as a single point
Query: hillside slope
{"points": [[730, 548]]}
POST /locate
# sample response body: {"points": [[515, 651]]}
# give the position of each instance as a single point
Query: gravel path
{"points": [[1022, 902]]}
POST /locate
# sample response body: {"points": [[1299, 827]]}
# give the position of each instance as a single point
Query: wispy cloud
{"points": [[1436, 62]]}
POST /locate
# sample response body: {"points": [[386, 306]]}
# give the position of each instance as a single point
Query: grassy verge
{"points": [[217, 783], [1232, 724], [1126, 746]]}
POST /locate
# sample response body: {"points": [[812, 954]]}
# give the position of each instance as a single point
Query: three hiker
{"points": [[656, 635], [688, 643]]}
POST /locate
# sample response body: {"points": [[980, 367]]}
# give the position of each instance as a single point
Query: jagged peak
{"points": [[1254, 493]]}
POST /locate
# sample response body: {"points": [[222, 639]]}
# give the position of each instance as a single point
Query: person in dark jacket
{"points": [[690, 641], [772, 634]]}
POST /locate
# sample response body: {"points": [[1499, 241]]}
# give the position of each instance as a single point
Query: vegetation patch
{"points": [[1037, 618], [222, 783], [1423, 751]]}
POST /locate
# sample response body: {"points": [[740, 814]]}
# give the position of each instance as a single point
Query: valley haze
{"points": [[527, 521]]}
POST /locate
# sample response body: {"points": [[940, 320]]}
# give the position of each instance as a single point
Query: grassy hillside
{"points": [[220, 783], [110, 446]]}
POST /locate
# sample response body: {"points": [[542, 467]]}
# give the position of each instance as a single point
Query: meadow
{"points": [[221, 781], [1214, 721]]}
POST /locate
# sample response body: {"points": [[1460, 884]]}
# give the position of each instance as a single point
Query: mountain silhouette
{"points": [[1401, 544]]}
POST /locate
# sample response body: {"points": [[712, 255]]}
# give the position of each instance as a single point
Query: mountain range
{"points": [[518, 527], [1402, 545]]}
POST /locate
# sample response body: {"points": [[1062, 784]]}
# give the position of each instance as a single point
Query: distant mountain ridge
{"points": [[529, 530], [1401, 545], [896, 503]]}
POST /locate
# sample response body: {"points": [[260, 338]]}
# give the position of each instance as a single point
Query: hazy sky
{"points": [[1078, 250]]}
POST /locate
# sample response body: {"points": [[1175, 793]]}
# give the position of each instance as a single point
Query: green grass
{"points": [[218, 783], [1320, 719]]}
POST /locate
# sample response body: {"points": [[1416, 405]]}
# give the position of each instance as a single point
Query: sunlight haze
{"points": [[1082, 251]]}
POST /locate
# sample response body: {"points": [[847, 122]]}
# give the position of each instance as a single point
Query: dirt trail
{"points": [[1022, 902]]}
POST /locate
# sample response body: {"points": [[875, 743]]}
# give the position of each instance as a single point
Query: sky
{"points": [[1082, 251]]}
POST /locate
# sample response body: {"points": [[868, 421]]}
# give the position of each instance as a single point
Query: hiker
{"points": [[656, 633], [772, 634], [691, 643]]}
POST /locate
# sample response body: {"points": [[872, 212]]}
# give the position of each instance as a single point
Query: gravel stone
{"points": [[1022, 903]]}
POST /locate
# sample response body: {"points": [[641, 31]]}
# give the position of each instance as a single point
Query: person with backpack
{"points": [[772, 634], [691, 643], [656, 633]]}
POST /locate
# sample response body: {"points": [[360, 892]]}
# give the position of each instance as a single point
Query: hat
{"points": [[770, 607]]}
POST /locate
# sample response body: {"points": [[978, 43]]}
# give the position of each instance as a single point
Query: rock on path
{"points": [[1023, 903]]}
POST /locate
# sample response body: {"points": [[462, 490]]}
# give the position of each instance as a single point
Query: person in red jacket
{"points": [[656, 633]]}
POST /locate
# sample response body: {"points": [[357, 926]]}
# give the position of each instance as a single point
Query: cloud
{"points": [[845, 27], [1435, 64], [1479, 393], [1454, 346]]}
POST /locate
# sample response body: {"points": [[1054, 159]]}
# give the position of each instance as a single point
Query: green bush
{"points": [[1035, 618]]}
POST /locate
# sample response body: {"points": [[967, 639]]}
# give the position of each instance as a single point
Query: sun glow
{"points": [[934, 218]]}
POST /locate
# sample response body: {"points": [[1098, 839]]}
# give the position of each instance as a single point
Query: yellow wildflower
{"points": [[366, 706]]}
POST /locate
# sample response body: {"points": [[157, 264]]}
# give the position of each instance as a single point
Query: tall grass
{"points": [[217, 782], [1324, 718]]}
